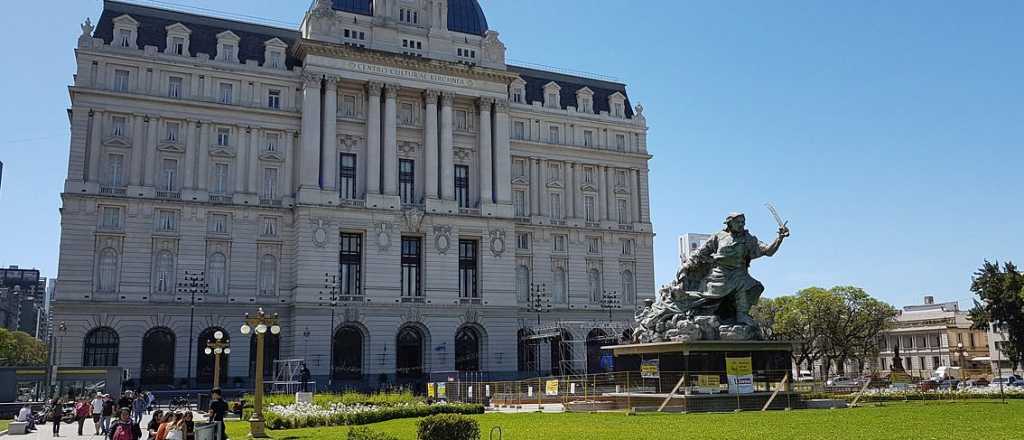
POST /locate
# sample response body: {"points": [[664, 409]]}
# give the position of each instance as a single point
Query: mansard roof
{"points": [[464, 16], [536, 80]]}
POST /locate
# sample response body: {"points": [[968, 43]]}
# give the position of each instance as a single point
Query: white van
{"points": [[947, 372]]}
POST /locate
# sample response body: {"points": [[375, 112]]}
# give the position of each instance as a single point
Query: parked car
{"points": [[948, 385], [901, 387], [947, 372], [804, 376], [973, 383], [1007, 382], [928, 385]]}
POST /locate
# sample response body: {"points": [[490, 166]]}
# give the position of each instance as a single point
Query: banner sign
{"points": [[551, 388], [708, 384], [442, 389], [741, 375], [649, 369], [431, 390]]}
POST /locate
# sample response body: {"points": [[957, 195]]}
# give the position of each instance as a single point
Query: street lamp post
{"points": [[62, 329], [962, 353], [259, 325], [331, 296], [610, 301], [194, 284], [217, 347], [539, 300]]}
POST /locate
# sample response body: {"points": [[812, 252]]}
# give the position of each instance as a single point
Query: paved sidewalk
{"points": [[70, 430]]}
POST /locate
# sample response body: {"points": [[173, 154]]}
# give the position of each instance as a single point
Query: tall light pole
{"points": [[62, 329], [330, 295], [962, 352], [610, 301], [194, 284], [259, 325], [217, 347], [539, 300]]}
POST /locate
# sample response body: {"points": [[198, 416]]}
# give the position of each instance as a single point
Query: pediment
{"points": [[117, 141], [554, 184], [228, 35], [178, 28], [617, 95], [171, 147], [585, 91], [222, 152], [552, 86], [276, 42], [588, 187], [126, 20], [271, 156], [521, 180], [621, 190]]}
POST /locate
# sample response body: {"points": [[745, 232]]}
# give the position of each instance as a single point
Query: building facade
{"points": [[689, 244], [932, 335], [23, 300], [380, 178]]}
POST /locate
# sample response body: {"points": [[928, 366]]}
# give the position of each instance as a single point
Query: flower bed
{"points": [[892, 395], [349, 398], [336, 414]]}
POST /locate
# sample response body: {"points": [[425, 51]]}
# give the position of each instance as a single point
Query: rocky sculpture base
{"points": [[680, 328]]}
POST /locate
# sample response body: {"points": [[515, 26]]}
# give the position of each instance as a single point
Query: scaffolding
{"points": [[572, 338], [287, 376]]}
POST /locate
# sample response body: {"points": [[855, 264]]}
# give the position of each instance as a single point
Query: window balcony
{"points": [[274, 203], [220, 198], [113, 191], [413, 300], [168, 195], [352, 203], [476, 301]]}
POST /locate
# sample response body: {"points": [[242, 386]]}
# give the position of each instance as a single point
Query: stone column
{"points": [[430, 143], [190, 153], [152, 152], [329, 158], [602, 194], [241, 164], [289, 163], [95, 145], [310, 133], [542, 189], [391, 140], [373, 138], [447, 147], [644, 196], [254, 160], [138, 148], [535, 187], [486, 184], [204, 155], [570, 170], [634, 195], [502, 153]]}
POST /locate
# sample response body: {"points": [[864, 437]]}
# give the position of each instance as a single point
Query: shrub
{"points": [[448, 427], [367, 434]]}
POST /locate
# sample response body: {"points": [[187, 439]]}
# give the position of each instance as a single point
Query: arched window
{"points": [[467, 349], [100, 348], [409, 352], [348, 353], [164, 272], [158, 357], [271, 353], [598, 361], [268, 275], [218, 274], [559, 287], [594, 279], [204, 362], [109, 262], [527, 351], [628, 287], [522, 283]]}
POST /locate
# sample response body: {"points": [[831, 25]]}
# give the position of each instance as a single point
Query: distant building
{"points": [[689, 244], [931, 335], [22, 298], [1001, 366]]}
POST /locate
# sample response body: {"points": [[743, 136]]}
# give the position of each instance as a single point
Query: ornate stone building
{"points": [[386, 148]]}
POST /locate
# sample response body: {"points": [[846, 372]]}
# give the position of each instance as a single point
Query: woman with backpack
{"points": [[124, 428]]}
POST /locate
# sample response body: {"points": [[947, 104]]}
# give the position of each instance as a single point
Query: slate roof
{"points": [[537, 79], [464, 16], [154, 21]]}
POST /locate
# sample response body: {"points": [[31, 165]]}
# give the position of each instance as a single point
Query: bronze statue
{"points": [[713, 292]]}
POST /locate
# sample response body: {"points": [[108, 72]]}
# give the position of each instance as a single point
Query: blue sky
{"points": [[888, 133]]}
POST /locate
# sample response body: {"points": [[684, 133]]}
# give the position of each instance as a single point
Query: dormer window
{"points": [[274, 55], [617, 103], [585, 100], [518, 91], [178, 39], [126, 32], [275, 60], [124, 38], [227, 47], [552, 95]]}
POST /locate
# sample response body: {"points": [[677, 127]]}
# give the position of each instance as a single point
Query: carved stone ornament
{"points": [[407, 149], [87, 28], [319, 232], [470, 317], [463, 154], [352, 314], [442, 238], [323, 8], [494, 49], [498, 243], [413, 219], [384, 236], [412, 315]]}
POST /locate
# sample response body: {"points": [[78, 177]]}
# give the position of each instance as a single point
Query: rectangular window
{"points": [[348, 106], [588, 175], [523, 241], [561, 243], [593, 245], [178, 46], [553, 135], [618, 110], [224, 137], [218, 223], [124, 38], [462, 185], [461, 120], [554, 172], [405, 114], [517, 96], [552, 101], [175, 85], [227, 93], [519, 130], [468, 283], [167, 221], [347, 183], [518, 168], [556, 205], [220, 179], [519, 203], [274, 99], [115, 170], [229, 52], [269, 183], [275, 60], [350, 271], [588, 138], [111, 218], [622, 209], [589, 209], [169, 175], [269, 227], [627, 247], [273, 142], [620, 142], [407, 181], [620, 178], [121, 78], [173, 130], [118, 126], [411, 267]]}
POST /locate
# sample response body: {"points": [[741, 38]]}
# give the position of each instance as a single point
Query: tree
{"points": [[852, 330], [793, 318], [1001, 306], [19, 349]]}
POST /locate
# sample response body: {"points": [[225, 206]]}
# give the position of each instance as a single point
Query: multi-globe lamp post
{"points": [[217, 347], [259, 325]]}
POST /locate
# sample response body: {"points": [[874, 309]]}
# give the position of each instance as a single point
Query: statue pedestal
{"points": [[710, 382]]}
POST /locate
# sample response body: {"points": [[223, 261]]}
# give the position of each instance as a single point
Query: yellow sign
{"points": [[649, 369], [739, 366], [431, 392], [442, 390], [551, 388], [708, 384]]}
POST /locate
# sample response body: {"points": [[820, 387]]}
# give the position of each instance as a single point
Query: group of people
{"points": [[171, 426]]}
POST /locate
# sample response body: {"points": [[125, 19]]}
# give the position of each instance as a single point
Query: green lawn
{"points": [[4, 424], [896, 421]]}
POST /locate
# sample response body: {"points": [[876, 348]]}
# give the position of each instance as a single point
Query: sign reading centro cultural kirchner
{"points": [[382, 180]]}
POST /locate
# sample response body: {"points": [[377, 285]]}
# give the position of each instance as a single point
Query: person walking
{"points": [[138, 408], [82, 412], [97, 411], [107, 414], [56, 414], [218, 409], [124, 428]]}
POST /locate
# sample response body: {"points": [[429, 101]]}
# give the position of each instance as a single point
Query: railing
{"points": [[353, 203], [220, 198], [169, 195], [113, 190], [270, 202], [414, 299]]}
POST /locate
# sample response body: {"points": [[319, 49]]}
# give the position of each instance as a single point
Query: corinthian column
{"points": [[431, 144], [486, 184], [329, 159], [502, 153], [203, 176], [447, 148], [373, 90], [138, 149], [391, 140], [95, 145], [310, 133]]}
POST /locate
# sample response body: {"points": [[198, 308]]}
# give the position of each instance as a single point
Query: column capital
{"points": [[391, 90], [311, 79], [332, 80], [431, 96], [374, 88], [485, 103], [447, 98], [501, 105]]}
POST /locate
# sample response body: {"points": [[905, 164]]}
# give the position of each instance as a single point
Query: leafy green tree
{"points": [[19, 349], [1001, 306], [853, 328]]}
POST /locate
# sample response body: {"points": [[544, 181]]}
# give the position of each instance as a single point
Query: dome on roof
{"points": [[465, 16]]}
